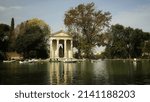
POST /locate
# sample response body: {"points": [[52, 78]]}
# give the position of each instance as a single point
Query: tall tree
{"points": [[86, 24], [12, 36], [126, 42], [12, 24], [32, 39], [117, 47], [4, 37]]}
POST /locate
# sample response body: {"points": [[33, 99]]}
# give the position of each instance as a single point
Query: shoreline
{"points": [[77, 60]]}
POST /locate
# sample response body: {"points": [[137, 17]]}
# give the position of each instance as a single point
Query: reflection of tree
{"points": [[142, 73], [128, 72], [120, 72], [138, 72]]}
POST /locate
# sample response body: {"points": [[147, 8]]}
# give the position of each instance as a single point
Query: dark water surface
{"points": [[105, 72]]}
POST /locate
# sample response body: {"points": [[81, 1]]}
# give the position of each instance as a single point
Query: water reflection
{"points": [[84, 73], [78, 73], [128, 72], [61, 73]]}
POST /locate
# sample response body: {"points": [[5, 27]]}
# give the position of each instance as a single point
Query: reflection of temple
{"points": [[61, 73], [61, 46]]}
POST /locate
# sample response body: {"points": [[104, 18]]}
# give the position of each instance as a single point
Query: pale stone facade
{"points": [[61, 46]]}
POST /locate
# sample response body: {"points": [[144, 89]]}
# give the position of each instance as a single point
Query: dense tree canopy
{"points": [[86, 25], [4, 38], [126, 42], [32, 37], [146, 49]]}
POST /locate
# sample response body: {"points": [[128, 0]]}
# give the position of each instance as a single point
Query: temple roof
{"points": [[61, 33]]}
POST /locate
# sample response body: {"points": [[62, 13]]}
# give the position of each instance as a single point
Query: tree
{"points": [[32, 39], [4, 37], [12, 24], [12, 36], [86, 25], [126, 42], [117, 42], [146, 49]]}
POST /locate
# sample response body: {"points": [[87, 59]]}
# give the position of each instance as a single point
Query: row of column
{"points": [[55, 54]]}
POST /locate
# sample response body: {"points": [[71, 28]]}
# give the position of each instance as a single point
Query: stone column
{"points": [[57, 49], [65, 48], [51, 49], [71, 49]]}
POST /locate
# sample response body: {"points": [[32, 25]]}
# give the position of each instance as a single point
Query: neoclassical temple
{"points": [[61, 46]]}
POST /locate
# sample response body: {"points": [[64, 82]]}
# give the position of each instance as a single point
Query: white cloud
{"points": [[16, 7], [4, 8], [136, 18]]}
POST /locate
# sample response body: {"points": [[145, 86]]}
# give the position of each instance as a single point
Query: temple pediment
{"points": [[61, 34]]}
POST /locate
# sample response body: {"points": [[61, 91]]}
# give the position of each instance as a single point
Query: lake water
{"points": [[107, 72]]}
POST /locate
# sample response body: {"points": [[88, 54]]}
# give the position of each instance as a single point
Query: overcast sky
{"points": [[134, 13]]}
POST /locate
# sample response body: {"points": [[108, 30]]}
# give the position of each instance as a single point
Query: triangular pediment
{"points": [[61, 34]]}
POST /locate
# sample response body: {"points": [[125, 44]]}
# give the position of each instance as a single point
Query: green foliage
{"points": [[126, 42], [11, 46], [2, 56], [12, 24], [146, 49], [4, 38], [86, 25], [32, 40]]}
